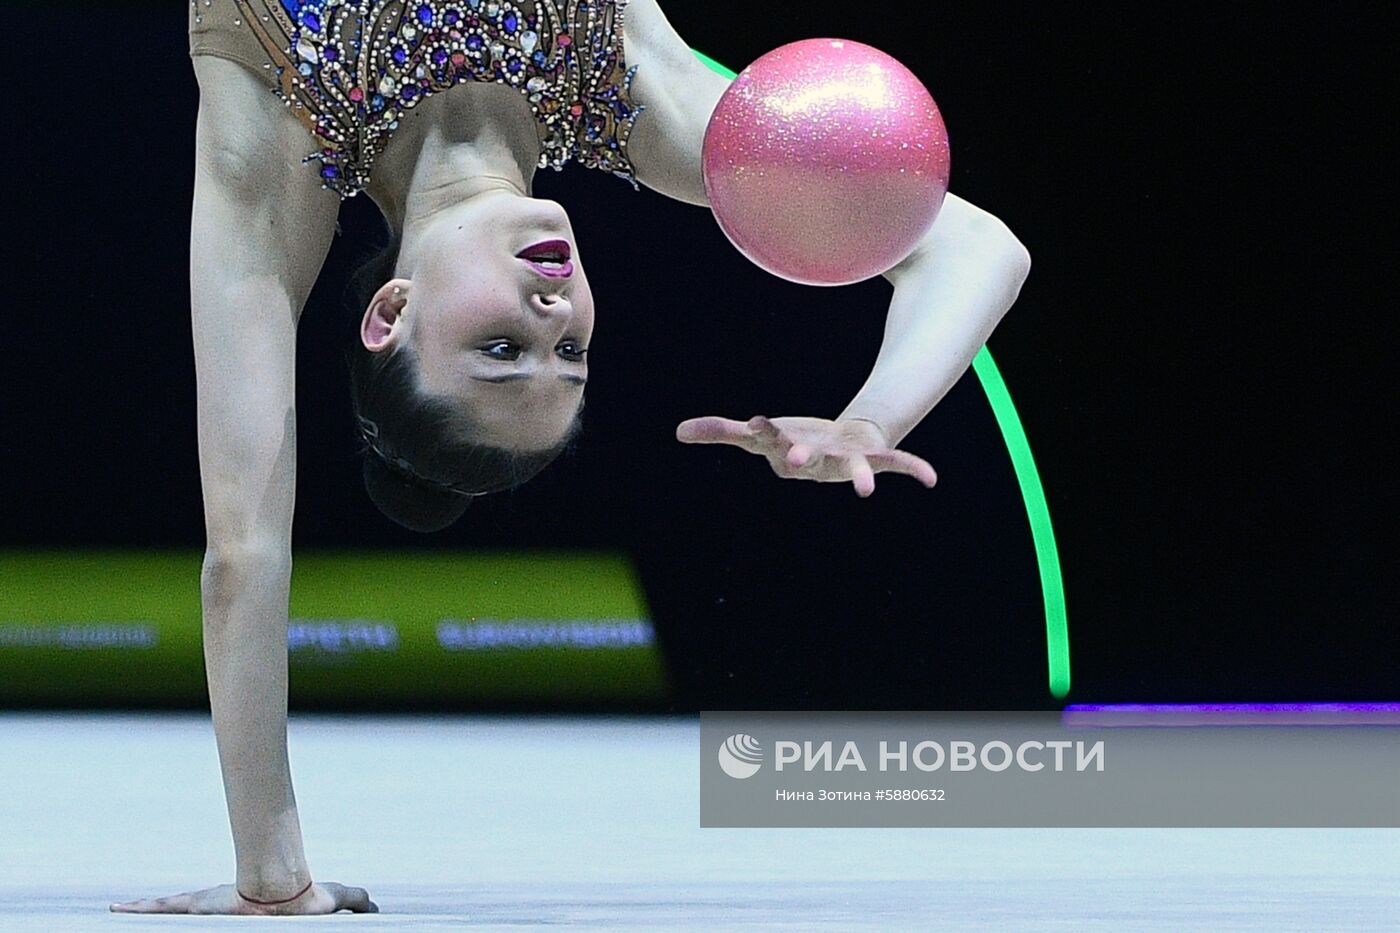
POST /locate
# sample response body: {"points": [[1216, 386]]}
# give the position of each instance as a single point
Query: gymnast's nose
{"points": [[552, 306]]}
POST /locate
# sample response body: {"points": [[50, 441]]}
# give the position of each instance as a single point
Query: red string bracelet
{"points": [[268, 903]]}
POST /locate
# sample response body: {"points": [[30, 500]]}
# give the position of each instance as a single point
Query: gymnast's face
{"points": [[498, 314]]}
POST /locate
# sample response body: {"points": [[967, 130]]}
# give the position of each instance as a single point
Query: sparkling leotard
{"points": [[351, 69]]}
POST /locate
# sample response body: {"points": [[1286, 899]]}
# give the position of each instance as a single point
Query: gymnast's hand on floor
{"points": [[322, 898], [812, 448]]}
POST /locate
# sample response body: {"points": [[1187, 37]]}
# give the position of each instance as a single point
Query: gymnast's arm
{"points": [[949, 294], [260, 229]]}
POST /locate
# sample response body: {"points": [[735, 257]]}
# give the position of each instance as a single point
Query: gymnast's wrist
{"points": [[271, 893], [880, 428], [280, 878]]}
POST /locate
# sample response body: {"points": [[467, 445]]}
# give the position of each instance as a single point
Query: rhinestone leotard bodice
{"points": [[350, 70]]}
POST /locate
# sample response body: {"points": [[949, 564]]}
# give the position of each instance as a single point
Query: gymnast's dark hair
{"points": [[421, 466]]}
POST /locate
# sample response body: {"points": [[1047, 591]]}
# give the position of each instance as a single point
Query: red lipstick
{"points": [[552, 258]]}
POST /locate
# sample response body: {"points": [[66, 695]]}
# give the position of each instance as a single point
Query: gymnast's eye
{"points": [[572, 351], [502, 350]]}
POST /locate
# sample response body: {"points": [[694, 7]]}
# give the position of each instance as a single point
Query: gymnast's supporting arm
{"points": [[246, 301], [260, 229], [949, 295]]}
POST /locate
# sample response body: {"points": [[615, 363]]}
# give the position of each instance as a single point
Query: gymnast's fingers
{"points": [[350, 898], [862, 475], [762, 427], [899, 461], [711, 430], [175, 904], [716, 430], [799, 454]]}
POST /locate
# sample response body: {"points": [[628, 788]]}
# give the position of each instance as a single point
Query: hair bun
{"points": [[412, 505]]}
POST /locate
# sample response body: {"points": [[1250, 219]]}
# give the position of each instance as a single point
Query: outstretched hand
{"points": [[322, 898], [812, 448]]}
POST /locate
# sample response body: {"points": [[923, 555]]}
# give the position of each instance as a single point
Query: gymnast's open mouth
{"points": [[552, 258]]}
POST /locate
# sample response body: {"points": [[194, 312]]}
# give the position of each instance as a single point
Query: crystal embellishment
{"points": [[565, 56]]}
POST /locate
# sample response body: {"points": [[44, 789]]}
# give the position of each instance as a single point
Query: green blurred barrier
{"points": [[367, 629]]}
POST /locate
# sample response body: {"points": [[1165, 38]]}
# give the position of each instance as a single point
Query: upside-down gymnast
{"points": [[470, 356]]}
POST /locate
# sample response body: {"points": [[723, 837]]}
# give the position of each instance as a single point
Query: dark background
{"points": [[1200, 357]]}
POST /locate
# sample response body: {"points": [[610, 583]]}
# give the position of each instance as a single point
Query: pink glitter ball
{"points": [[825, 161]]}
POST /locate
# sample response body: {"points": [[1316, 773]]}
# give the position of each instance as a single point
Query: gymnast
{"points": [[468, 364]]}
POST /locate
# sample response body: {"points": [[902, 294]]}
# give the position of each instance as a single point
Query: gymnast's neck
{"points": [[452, 146]]}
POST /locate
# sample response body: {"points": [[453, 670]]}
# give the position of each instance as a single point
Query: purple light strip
{"points": [[1232, 714]]}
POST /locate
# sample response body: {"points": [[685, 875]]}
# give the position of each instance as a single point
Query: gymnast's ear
{"points": [[382, 326]]}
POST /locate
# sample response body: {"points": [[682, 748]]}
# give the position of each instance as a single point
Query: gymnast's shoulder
{"points": [[678, 92]]}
